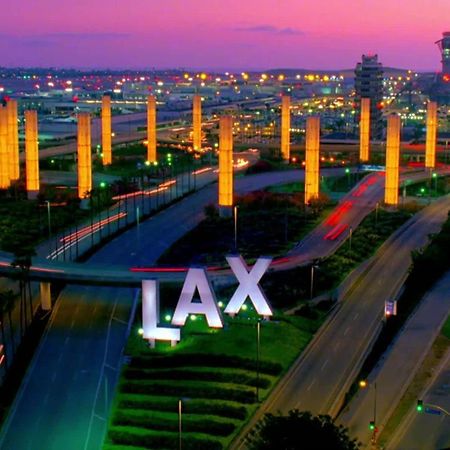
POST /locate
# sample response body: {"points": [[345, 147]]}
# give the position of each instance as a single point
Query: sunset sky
{"points": [[226, 34]]}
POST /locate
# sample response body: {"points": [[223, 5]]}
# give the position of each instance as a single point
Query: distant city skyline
{"points": [[222, 35]]}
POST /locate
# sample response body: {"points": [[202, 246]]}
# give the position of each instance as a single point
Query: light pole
{"points": [[311, 292], [258, 343], [376, 213], [350, 233], [235, 215], [179, 423], [49, 219]]}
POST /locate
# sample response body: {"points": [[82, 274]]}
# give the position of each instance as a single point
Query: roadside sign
{"points": [[390, 308]]}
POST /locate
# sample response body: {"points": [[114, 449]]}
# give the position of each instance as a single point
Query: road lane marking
{"points": [[346, 330], [355, 316], [324, 364], [311, 385]]}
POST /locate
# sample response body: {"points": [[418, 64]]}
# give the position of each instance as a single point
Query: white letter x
{"points": [[248, 285]]}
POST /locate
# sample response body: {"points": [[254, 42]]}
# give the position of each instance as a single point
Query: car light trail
{"points": [[78, 236]]}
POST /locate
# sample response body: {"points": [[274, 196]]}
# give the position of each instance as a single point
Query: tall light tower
{"points": [[31, 154], [84, 155], [197, 122], [13, 140], [312, 159], [151, 129], [4, 156], [364, 130], [225, 166], [430, 146], [285, 127], [106, 130], [392, 160]]}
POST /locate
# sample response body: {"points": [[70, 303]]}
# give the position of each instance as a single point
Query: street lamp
{"points": [[49, 219], [235, 215], [314, 265], [179, 423], [372, 424], [350, 233], [258, 344]]}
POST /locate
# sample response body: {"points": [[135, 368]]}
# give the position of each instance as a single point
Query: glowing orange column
{"points": [[197, 122], [13, 140], [312, 159], [392, 160], [364, 130], [151, 129], [84, 155], [31, 153], [4, 156], [226, 165], [106, 130], [430, 148], [286, 127]]}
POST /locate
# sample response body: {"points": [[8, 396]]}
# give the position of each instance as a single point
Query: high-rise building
{"points": [[369, 84], [444, 47]]}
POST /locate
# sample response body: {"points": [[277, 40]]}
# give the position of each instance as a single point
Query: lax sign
{"points": [[197, 280]]}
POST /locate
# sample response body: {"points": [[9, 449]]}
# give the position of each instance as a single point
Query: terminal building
{"points": [[369, 84], [440, 91]]}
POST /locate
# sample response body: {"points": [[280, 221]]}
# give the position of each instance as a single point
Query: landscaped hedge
{"points": [[191, 407], [155, 388], [186, 374], [150, 421], [124, 436], [204, 360]]}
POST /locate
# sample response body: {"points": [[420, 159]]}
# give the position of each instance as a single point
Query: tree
{"points": [[299, 430], [7, 301]]}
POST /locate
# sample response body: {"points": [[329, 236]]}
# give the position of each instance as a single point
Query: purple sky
{"points": [[252, 34]]}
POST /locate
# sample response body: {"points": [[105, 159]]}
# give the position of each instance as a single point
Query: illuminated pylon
{"points": [[285, 127], [13, 140], [392, 160], [226, 165], [151, 129], [197, 122], [84, 155], [364, 130], [4, 156], [430, 148], [312, 159], [106, 130], [31, 153]]}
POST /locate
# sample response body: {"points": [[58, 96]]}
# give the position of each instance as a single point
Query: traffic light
{"points": [[169, 159], [372, 425], [419, 406]]}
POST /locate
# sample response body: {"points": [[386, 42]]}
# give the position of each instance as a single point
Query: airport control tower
{"points": [[444, 47]]}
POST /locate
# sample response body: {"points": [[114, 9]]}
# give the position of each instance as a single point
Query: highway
{"points": [[394, 374], [67, 392], [428, 431], [319, 379], [396, 369]]}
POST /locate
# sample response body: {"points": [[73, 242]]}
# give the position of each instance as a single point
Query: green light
{"points": [[155, 163], [52, 161], [422, 190], [347, 170], [434, 175], [419, 406], [147, 163], [244, 307], [141, 331], [102, 184], [220, 304], [371, 425], [167, 317], [193, 317]]}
